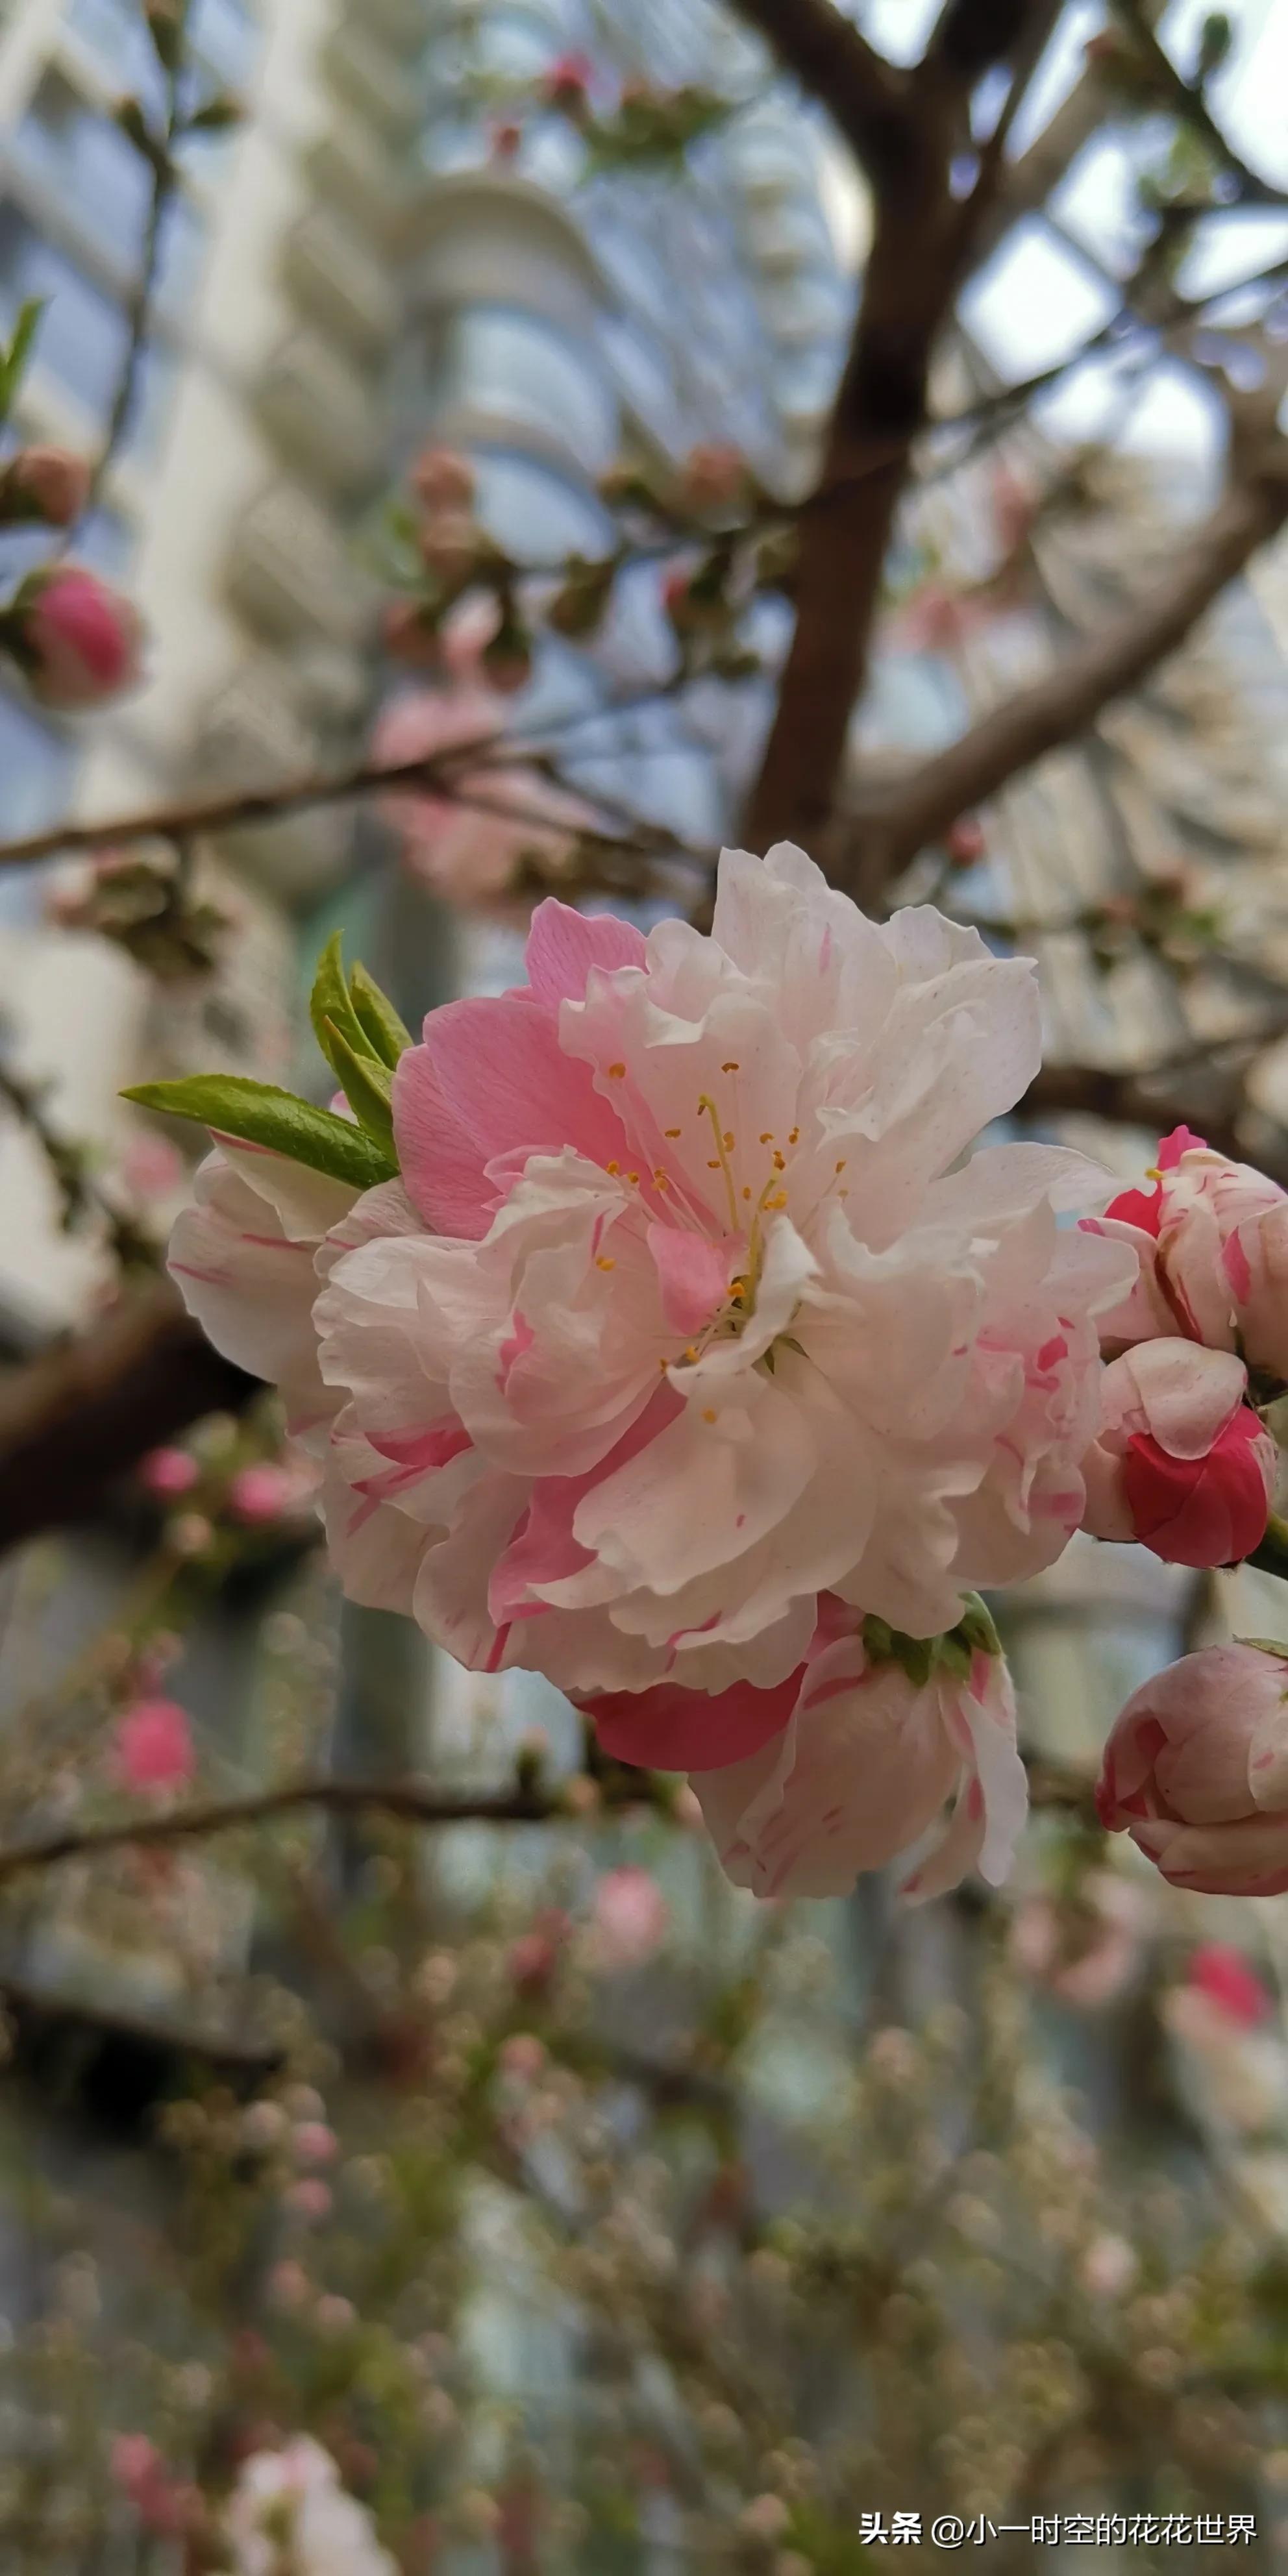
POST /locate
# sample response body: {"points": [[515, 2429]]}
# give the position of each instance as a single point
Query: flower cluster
{"points": [[679, 1364], [1183, 1462]]}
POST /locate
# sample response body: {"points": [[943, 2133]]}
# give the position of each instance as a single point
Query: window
{"points": [[509, 363], [534, 513], [221, 39], [105, 185], [35, 771], [83, 335]]}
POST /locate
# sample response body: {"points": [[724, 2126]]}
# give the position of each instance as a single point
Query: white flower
{"points": [[291, 2502]]}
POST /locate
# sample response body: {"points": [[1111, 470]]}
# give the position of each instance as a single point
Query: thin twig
{"points": [[413, 1801]]}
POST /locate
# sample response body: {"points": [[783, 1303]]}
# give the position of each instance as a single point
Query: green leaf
{"points": [[385, 1031], [13, 363], [230, 1105], [367, 1085], [331, 1009]]}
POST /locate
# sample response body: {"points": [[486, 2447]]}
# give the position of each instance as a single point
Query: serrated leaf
{"points": [[13, 364], [384, 1030], [259, 1114], [367, 1085], [330, 1007]]}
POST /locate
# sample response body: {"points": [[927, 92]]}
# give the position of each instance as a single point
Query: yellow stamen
{"points": [[729, 1140], [614, 1168], [841, 1165], [746, 1193], [730, 1067], [766, 1136], [780, 1161], [672, 1131], [795, 1136], [778, 1201], [661, 1179], [724, 1143], [603, 1262], [692, 1352], [1153, 1174], [708, 1414], [634, 1179], [738, 1292], [617, 1073]]}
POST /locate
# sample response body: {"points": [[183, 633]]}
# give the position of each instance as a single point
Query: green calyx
{"points": [[362, 1038], [921, 1657]]}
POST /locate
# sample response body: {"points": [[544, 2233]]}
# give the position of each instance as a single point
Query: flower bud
{"points": [[1196, 1770], [567, 83], [48, 484], [76, 642], [443, 479], [1182, 1463]]}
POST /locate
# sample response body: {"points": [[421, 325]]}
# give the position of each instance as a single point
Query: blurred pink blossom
{"points": [[153, 1746], [169, 1472], [630, 1916], [469, 853]]}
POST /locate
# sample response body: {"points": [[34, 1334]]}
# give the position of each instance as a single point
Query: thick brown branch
{"points": [[1061, 706], [82, 1414], [864, 94]]}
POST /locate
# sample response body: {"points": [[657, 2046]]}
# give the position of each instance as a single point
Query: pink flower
{"points": [[153, 1746], [309, 2198], [77, 642], [244, 1260], [681, 1316], [263, 1493], [1196, 1770], [1222, 1974], [1182, 1462], [443, 479], [964, 842], [470, 852], [153, 1168], [163, 2502], [49, 484], [313, 2143], [1211, 1240], [168, 1473], [862, 1772], [630, 1915]]}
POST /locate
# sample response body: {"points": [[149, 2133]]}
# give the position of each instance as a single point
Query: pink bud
{"points": [[153, 1746], [1182, 1463], [1212, 1240], [288, 2286], [44, 483], [567, 83], [309, 2198], [168, 1472], [630, 1915], [964, 842], [1222, 1973], [443, 479], [77, 642], [314, 2143], [263, 1493], [1196, 1770], [506, 138], [713, 475]]}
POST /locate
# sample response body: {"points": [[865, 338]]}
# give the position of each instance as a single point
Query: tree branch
{"points": [[413, 1802], [894, 823], [866, 96], [79, 1416]]}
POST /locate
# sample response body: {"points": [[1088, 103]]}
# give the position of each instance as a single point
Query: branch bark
{"points": [[893, 823], [78, 1417], [413, 1802], [865, 95]]}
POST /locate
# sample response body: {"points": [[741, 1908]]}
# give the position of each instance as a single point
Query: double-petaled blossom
{"points": [[1196, 1770], [1211, 1240], [1182, 1462], [289, 2508], [680, 1317]]}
